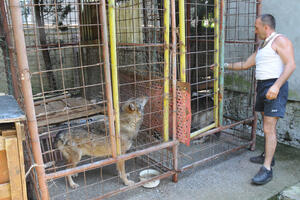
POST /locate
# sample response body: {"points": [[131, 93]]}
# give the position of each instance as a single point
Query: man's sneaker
{"points": [[261, 159], [263, 176]]}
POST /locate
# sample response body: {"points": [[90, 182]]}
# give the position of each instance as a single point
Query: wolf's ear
{"points": [[132, 107]]}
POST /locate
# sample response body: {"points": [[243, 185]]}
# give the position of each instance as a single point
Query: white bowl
{"points": [[148, 174]]}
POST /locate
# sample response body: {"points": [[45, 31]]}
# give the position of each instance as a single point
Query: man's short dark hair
{"points": [[268, 19]]}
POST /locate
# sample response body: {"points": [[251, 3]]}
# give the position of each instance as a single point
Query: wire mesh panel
{"points": [[234, 134], [200, 55], [66, 43], [239, 86], [141, 45], [140, 53], [64, 51]]}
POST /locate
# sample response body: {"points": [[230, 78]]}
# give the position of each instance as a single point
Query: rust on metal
{"points": [[27, 92]]}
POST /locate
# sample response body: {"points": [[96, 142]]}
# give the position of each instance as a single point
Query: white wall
{"points": [[287, 15]]}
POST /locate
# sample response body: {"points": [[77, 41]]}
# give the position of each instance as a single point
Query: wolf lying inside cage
{"points": [[79, 142]]}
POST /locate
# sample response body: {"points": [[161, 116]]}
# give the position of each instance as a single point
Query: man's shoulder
{"points": [[281, 40]]}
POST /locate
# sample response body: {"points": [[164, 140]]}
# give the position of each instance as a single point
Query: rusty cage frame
{"points": [[120, 31], [234, 21]]}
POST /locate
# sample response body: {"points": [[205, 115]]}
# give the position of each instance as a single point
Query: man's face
{"points": [[260, 29]]}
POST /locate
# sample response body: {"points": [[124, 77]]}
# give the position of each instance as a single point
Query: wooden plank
{"points": [[4, 177], [9, 132], [51, 99], [2, 143], [13, 163], [63, 113], [56, 105], [16, 119], [56, 112], [23, 132], [60, 106], [21, 156], [39, 109], [52, 109], [72, 114], [5, 191], [75, 102]]}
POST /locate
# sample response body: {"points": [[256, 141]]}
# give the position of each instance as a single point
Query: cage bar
{"points": [[104, 31], [182, 41], [28, 98], [166, 68], [217, 61], [113, 51], [221, 68]]}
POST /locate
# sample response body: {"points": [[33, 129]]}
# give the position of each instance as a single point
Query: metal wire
{"points": [[238, 94], [67, 62], [64, 40]]}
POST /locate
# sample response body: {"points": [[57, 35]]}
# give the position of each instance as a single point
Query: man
{"points": [[275, 63]]}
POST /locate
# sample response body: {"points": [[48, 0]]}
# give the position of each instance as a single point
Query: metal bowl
{"points": [[148, 174]]}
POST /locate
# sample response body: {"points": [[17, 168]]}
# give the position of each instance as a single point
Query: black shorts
{"points": [[275, 107]]}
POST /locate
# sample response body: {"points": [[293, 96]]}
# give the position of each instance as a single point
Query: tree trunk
{"points": [[8, 53], [4, 48], [43, 41]]}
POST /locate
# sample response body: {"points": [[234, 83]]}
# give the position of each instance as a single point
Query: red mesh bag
{"points": [[153, 118]]}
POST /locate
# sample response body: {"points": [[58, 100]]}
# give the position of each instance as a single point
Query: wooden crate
{"points": [[12, 170]]}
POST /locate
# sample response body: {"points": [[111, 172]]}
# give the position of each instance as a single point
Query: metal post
{"points": [[222, 41], [216, 58], [166, 68], [188, 34], [174, 77], [174, 68], [254, 124], [182, 41], [102, 11], [27, 92], [114, 69]]}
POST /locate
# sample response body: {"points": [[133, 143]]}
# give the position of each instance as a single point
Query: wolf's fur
{"points": [[79, 142]]}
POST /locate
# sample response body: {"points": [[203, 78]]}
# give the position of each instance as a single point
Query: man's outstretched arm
{"points": [[250, 62]]}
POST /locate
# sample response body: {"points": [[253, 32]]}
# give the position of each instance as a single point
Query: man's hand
{"points": [[272, 92], [212, 67]]}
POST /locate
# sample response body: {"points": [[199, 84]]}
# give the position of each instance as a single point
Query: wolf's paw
{"points": [[75, 175], [129, 183], [74, 185]]}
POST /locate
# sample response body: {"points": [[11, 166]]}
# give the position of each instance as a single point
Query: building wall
{"points": [[286, 15]]}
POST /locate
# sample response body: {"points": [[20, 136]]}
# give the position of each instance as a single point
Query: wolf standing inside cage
{"points": [[274, 61]]}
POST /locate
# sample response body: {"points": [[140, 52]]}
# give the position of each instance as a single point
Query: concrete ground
{"points": [[290, 193], [227, 179]]}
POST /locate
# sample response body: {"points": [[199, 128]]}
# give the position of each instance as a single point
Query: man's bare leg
{"points": [[265, 173], [269, 124]]}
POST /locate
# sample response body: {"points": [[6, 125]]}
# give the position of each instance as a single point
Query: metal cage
{"points": [[80, 61], [222, 101]]}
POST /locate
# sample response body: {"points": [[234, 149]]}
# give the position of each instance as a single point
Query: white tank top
{"points": [[268, 63]]}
